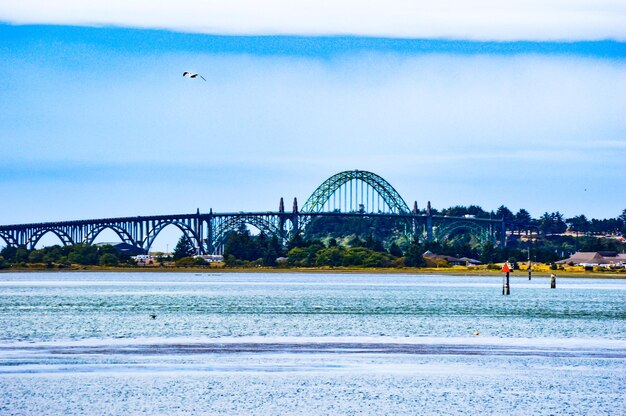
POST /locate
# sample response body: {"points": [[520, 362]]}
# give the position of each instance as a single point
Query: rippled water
{"points": [[75, 343]]}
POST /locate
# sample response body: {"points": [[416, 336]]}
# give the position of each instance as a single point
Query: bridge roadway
{"points": [[354, 193], [209, 231]]}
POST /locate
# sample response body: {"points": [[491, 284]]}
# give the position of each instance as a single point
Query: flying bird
{"points": [[192, 75]]}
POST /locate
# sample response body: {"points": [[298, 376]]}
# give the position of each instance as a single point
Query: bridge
{"points": [[349, 194]]}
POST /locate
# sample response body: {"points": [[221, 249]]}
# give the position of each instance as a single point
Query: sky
{"points": [[452, 102]]}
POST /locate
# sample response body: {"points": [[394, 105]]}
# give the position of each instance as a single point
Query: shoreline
{"points": [[322, 270]]}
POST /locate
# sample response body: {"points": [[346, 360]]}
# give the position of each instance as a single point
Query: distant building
{"points": [[124, 248], [596, 258], [463, 261], [144, 259], [452, 260], [211, 258], [471, 262]]}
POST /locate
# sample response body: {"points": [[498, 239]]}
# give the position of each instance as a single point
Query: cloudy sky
{"points": [[452, 101]]}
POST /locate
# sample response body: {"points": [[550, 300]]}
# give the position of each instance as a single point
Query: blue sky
{"points": [[98, 121]]}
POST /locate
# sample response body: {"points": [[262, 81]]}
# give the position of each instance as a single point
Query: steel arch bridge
{"points": [[353, 193]]}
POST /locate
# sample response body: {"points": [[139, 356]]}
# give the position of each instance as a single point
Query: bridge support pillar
{"points": [[295, 217], [198, 228], [429, 223], [209, 236]]}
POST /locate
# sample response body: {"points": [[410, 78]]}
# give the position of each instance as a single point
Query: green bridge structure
{"points": [[347, 194]]}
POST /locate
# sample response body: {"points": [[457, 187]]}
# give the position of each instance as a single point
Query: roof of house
{"points": [[471, 261], [441, 256], [594, 257]]}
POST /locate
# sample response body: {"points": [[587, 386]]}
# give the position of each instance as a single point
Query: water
{"points": [[86, 343]]}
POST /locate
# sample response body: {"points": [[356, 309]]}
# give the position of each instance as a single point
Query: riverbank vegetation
{"points": [[360, 242], [64, 256]]}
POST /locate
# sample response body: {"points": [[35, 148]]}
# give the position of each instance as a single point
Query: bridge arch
{"points": [[230, 224], [156, 229], [482, 232], [8, 240], [121, 233], [66, 240], [355, 191]]}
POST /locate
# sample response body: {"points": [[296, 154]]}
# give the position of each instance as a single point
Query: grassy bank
{"points": [[539, 270]]}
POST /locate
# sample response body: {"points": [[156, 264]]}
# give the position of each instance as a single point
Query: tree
{"points": [[552, 223], [331, 256], [109, 259], [413, 256], [183, 248], [374, 244], [83, 254], [21, 255], [271, 251], [523, 217], [559, 226], [488, 253], [356, 242], [394, 250], [504, 212], [296, 240], [578, 223], [35, 256], [244, 246]]}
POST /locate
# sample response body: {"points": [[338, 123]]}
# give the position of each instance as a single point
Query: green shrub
{"points": [[109, 259], [190, 262]]}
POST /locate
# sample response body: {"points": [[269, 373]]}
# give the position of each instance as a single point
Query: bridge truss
{"points": [[347, 194]]}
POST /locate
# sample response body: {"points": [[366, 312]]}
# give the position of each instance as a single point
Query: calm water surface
{"points": [[77, 343]]}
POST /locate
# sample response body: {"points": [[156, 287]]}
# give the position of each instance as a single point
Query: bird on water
{"points": [[193, 75]]}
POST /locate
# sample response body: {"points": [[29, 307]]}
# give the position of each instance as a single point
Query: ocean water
{"points": [[258, 343]]}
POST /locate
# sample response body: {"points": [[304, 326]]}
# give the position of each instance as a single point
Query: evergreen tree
{"points": [[504, 212], [578, 223], [272, 251], [296, 240], [413, 256], [394, 250], [488, 253], [373, 244], [183, 248], [523, 217]]}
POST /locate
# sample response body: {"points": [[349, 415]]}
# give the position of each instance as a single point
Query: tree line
{"points": [[364, 242], [547, 223], [86, 255]]}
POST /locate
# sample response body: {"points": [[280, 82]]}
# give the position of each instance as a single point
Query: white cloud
{"points": [[455, 19]]}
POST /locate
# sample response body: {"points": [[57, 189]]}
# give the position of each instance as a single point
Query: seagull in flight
{"points": [[192, 75]]}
